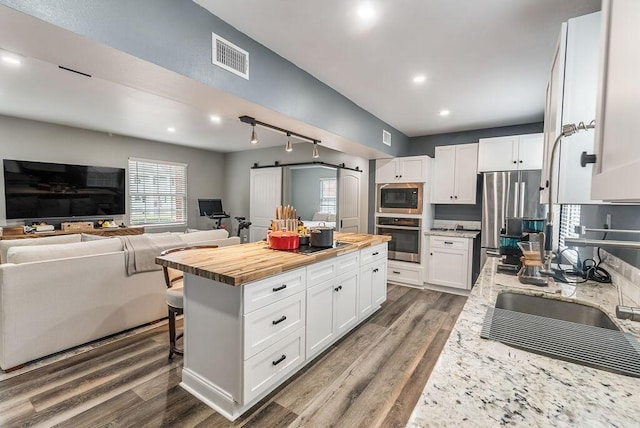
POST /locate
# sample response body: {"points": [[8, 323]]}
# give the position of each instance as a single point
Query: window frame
{"points": [[333, 207], [565, 229], [179, 193]]}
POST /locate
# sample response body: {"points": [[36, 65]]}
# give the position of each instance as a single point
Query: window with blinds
{"points": [[158, 192], [569, 218], [328, 195]]}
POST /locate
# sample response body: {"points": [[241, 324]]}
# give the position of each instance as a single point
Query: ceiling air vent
{"points": [[386, 138], [230, 57]]}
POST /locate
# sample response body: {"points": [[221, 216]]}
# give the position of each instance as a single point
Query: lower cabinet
{"points": [[450, 262], [405, 273], [373, 287], [332, 309]]}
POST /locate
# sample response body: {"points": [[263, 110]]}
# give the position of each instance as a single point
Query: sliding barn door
{"points": [[265, 193], [349, 200]]}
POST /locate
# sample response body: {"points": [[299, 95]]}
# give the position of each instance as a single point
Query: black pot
{"points": [[321, 237], [304, 240]]}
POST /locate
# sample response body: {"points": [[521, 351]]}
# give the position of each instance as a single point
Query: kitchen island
{"points": [[255, 316], [480, 382]]}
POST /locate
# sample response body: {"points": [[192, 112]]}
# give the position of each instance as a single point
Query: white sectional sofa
{"points": [[60, 292]]}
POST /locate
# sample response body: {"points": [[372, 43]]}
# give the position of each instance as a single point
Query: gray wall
{"points": [[622, 217], [176, 35], [238, 166], [305, 192], [426, 146], [24, 139]]}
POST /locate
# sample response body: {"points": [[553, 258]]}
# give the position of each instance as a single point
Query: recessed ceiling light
{"points": [[215, 118], [366, 12], [171, 129], [11, 60], [445, 112], [419, 78]]}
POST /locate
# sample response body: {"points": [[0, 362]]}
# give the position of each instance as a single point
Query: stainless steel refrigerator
{"points": [[507, 194]]}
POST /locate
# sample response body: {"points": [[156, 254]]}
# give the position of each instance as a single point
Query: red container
{"points": [[284, 240]]}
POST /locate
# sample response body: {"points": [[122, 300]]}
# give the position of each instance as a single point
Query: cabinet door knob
{"points": [[586, 159], [456, 196], [520, 161], [375, 270], [431, 254], [515, 162], [375, 253], [450, 197]]}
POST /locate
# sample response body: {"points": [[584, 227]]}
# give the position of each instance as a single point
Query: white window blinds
{"points": [[328, 195], [158, 192], [569, 218]]}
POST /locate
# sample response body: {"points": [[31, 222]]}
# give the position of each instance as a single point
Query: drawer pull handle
{"points": [[448, 242], [279, 360], [282, 287], [396, 272], [338, 288], [375, 254], [375, 270], [276, 322]]}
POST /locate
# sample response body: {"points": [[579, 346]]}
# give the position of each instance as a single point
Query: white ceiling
{"points": [[484, 60]]}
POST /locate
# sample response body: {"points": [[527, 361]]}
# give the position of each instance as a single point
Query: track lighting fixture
{"points": [[254, 135], [289, 147]]}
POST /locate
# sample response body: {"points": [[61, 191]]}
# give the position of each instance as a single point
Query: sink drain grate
{"points": [[596, 347]]}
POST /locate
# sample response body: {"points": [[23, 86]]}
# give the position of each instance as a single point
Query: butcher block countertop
{"points": [[239, 264]]}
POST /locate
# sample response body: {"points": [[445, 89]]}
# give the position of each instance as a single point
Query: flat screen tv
{"points": [[49, 190]]}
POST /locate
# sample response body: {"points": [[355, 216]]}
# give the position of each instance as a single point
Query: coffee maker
{"points": [[517, 230]]}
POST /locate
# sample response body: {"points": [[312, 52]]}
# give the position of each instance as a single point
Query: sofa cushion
{"points": [[319, 216], [37, 253], [204, 236], [86, 237], [47, 240]]}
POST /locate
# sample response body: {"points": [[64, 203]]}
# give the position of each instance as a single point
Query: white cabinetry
{"points": [[616, 172], [411, 169], [373, 280], [455, 174], [405, 273], [571, 98], [516, 152], [450, 261]]}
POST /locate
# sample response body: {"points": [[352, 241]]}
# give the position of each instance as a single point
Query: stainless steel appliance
{"points": [[507, 194], [405, 236], [400, 198]]}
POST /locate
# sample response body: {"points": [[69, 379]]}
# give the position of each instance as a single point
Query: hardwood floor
{"points": [[371, 377]]}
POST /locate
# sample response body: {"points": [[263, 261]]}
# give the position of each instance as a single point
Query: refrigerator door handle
{"points": [[522, 195], [516, 213]]}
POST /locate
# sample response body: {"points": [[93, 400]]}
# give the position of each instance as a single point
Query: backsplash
{"points": [[625, 276], [451, 224]]}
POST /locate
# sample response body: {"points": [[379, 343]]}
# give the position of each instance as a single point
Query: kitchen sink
{"points": [[563, 330], [556, 309]]}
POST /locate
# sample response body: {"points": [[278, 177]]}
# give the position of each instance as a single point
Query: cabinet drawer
{"points": [[405, 275], [268, 367], [267, 325], [321, 272], [262, 293], [348, 263], [371, 254], [448, 242]]}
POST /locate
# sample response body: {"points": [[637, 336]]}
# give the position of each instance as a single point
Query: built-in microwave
{"points": [[400, 198]]}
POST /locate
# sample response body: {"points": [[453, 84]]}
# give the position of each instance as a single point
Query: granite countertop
{"points": [[472, 234], [239, 264], [480, 382]]}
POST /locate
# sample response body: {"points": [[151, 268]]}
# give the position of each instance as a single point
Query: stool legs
{"points": [[173, 337]]}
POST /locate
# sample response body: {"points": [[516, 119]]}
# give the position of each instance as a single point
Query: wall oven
{"points": [[405, 233], [400, 198]]}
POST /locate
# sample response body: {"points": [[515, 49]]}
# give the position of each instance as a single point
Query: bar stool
{"points": [[173, 278]]}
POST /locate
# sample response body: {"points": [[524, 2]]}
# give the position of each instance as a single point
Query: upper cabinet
{"points": [[517, 152], [617, 168], [411, 169], [571, 98], [455, 174]]}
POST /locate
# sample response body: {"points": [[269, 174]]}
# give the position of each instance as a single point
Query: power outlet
{"points": [[607, 223]]}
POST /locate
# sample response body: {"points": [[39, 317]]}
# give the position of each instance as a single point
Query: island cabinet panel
{"points": [[346, 302], [321, 272], [262, 293], [265, 326], [273, 364], [320, 317]]}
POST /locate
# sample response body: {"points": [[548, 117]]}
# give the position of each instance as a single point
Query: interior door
{"points": [[265, 193], [349, 200]]}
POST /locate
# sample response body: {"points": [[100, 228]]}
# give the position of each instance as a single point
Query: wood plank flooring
{"points": [[371, 377]]}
